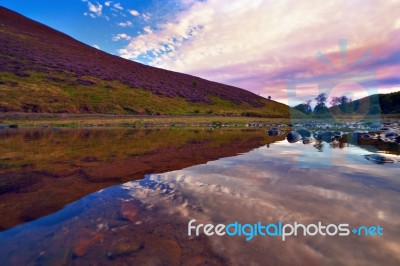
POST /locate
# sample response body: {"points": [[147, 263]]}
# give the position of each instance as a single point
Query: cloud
{"points": [[147, 29], [94, 8], [121, 36], [260, 45], [146, 16], [118, 6], [89, 14], [108, 3], [134, 12], [125, 24], [96, 46]]}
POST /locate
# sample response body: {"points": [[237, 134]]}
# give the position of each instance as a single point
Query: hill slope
{"points": [[43, 70], [374, 104]]}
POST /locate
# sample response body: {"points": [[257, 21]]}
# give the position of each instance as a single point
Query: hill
{"points": [[374, 104], [45, 71]]}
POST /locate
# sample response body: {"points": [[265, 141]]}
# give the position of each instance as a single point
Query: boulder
{"points": [[274, 132], [337, 134], [293, 137], [390, 134], [305, 133]]}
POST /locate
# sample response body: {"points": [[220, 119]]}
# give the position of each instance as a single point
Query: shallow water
{"points": [[145, 222]]}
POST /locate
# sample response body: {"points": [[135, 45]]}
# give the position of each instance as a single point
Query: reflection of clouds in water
{"points": [[326, 193], [269, 185]]}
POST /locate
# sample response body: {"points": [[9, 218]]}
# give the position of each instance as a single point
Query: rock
{"points": [[391, 134], [378, 159], [328, 135], [373, 135], [167, 249], [128, 211], [60, 257], [305, 133], [293, 137], [365, 136], [274, 132], [397, 140], [325, 136], [125, 248], [337, 134], [13, 126], [307, 140], [318, 135], [84, 244]]}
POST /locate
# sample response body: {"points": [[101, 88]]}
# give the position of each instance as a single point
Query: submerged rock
{"points": [[84, 244], [128, 211], [293, 137], [59, 257], [125, 248], [378, 159]]}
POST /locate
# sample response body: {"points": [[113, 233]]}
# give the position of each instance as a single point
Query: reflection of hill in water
{"points": [[265, 184], [42, 170]]}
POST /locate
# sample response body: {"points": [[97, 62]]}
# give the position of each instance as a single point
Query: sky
{"points": [[289, 50]]}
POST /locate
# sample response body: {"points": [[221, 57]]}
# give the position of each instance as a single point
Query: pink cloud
{"points": [[260, 45]]}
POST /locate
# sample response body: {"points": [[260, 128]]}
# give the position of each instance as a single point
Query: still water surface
{"points": [[258, 178]]}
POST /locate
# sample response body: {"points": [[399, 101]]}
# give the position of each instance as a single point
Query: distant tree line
{"points": [[373, 105], [319, 109], [341, 104]]}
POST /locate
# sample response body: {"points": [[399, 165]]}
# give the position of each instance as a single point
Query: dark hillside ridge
{"points": [[374, 105]]}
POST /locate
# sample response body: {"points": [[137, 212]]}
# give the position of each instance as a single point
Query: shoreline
{"points": [[159, 121], [134, 121]]}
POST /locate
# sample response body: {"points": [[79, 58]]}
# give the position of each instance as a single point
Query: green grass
{"points": [[39, 94]]}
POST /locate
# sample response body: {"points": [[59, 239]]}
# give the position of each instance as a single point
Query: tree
{"points": [[321, 108], [269, 97], [335, 101], [343, 102], [305, 107], [321, 99]]}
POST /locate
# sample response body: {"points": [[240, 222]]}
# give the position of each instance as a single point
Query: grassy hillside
{"points": [[390, 103], [385, 104], [43, 70]]}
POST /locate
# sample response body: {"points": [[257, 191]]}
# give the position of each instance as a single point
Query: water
{"points": [[259, 178]]}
